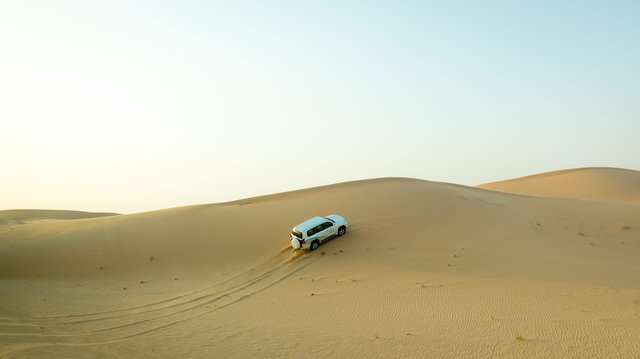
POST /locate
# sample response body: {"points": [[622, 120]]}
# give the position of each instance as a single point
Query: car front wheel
{"points": [[314, 245], [342, 230]]}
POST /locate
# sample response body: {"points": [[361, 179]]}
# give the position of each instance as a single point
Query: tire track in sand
{"points": [[85, 329]]}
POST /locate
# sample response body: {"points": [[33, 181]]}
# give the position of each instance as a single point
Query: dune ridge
{"points": [[24, 216], [590, 183], [426, 269]]}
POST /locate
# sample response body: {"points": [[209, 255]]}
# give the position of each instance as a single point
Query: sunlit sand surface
{"points": [[427, 269]]}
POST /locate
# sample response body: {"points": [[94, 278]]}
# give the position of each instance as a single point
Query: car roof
{"points": [[310, 223]]}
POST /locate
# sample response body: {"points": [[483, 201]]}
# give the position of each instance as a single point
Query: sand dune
{"points": [[426, 270], [24, 216], [595, 183]]}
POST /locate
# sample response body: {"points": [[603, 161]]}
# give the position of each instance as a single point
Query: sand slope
{"points": [[426, 270], [595, 183]]}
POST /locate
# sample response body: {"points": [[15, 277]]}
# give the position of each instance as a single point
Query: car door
{"points": [[328, 230], [312, 235]]}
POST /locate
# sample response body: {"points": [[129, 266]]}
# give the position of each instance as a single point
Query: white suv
{"points": [[310, 233]]}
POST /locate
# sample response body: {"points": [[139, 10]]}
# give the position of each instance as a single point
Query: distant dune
{"points": [[23, 216], [595, 183], [426, 269]]}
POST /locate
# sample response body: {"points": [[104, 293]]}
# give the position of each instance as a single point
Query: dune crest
{"points": [[592, 183]]}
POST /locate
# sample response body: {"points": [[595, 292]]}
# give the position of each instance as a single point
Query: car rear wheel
{"points": [[342, 230], [314, 245]]}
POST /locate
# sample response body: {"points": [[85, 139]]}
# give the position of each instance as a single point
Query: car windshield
{"points": [[330, 219], [296, 233]]}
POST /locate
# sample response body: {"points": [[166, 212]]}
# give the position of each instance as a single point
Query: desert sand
{"points": [[595, 183], [426, 269], [22, 216]]}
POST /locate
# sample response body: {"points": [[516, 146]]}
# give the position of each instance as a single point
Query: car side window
{"points": [[326, 225], [310, 232], [319, 229]]}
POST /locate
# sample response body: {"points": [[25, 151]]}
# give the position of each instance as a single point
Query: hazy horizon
{"points": [[127, 107]]}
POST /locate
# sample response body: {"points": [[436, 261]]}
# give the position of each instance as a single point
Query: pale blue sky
{"points": [[138, 105]]}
